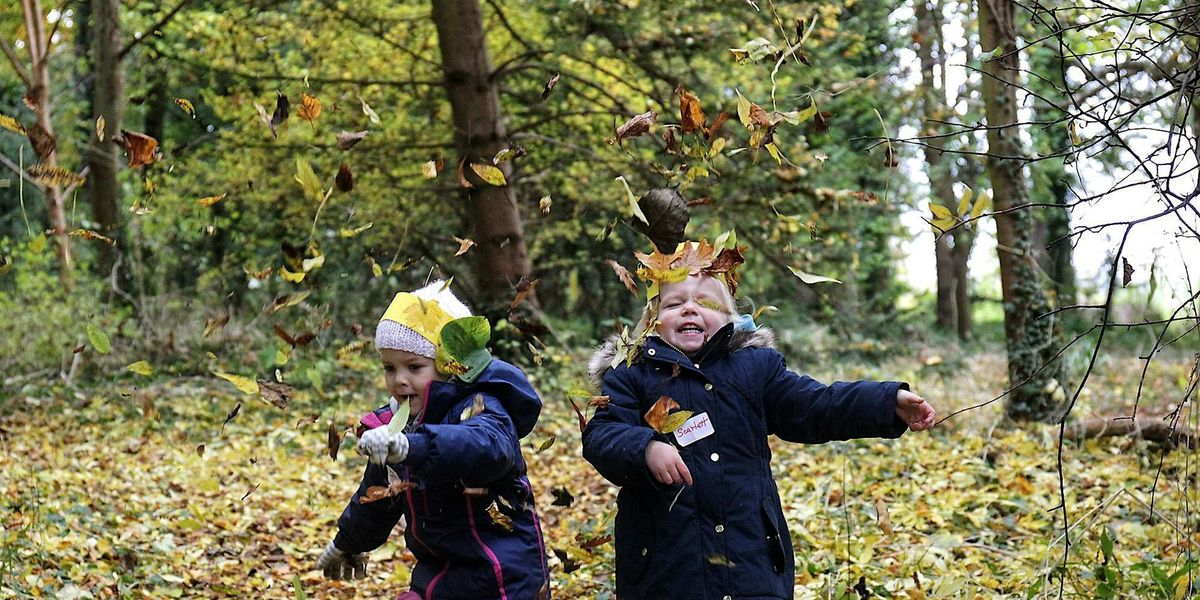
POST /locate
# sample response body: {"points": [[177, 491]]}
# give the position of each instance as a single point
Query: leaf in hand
{"points": [[399, 418], [656, 417]]}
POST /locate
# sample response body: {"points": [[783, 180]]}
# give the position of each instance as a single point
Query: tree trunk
{"points": [[40, 95], [104, 160], [1031, 341], [941, 185], [501, 258]]}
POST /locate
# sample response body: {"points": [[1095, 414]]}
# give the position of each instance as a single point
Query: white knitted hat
{"points": [[414, 319]]}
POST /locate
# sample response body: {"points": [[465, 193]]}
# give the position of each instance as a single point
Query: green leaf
{"points": [[99, 339], [811, 278], [141, 367], [300, 595], [308, 180], [1106, 544], [490, 174], [400, 418], [463, 347]]}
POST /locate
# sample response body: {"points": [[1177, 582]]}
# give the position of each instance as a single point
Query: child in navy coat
{"points": [[699, 515], [455, 471]]}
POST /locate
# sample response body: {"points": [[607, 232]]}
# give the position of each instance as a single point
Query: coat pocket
{"points": [[636, 537], [775, 531]]}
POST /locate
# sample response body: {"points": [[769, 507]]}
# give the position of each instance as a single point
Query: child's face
{"points": [[691, 311], [408, 376]]}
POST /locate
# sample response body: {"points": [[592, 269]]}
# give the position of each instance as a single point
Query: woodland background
{"points": [[205, 206]]}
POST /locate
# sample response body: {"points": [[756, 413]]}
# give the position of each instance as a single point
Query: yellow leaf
{"points": [[1073, 131], [489, 174], [982, 202], [376, 270], [349, 233], [11, 124], [141, 367], [676, 420], [290, 276], [743, 109], [211, 200], [544, 204], [245, 384], [965, 201], [940, 212], [187, 107], [55, 176], [100, 127], [717, 146], [313, 262], [310, 108], [774, 151], [429, 169]]}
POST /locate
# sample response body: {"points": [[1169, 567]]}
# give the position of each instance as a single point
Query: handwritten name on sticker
{"points": [[695, 428]]}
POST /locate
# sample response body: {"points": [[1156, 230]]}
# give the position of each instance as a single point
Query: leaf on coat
{"points": [[395, 487], [276, 394], [634, 127], [501, 520], [245, 384], [720, 560], [333, 442], [475, 408], [562, 496], [656, 417]]}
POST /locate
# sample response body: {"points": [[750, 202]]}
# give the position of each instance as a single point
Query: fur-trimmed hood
{"points": [[601, 360]]}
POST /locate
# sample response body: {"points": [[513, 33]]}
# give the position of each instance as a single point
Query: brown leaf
{"points": [[625, 276], [562, 497], [524, 287], [656, 417], [250, 491], [43, 143], [281, 111], [569, 564], [670, 141], [588, 544], [200, 450], [309, 420], [347, 139], [462, 174], [717, 123], [140, 148], [758, 116], [549, 87], [310, 109], [634, 127], [882, 517], [344, 180], [92, 235], [212, 326], [691, 116], [233, 413], [463, 245], [334, 441], [599, 401], [476, 408], [578, 414], [55, 176], [275, 393], [1126, 271], [501, 520]]}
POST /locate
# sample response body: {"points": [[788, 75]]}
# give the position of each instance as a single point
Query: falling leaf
{"points": [[43, 143], [334, 441], [275, 393], [200, 450], [250, 491], [212, 326], [349, 233], [656, 417], [462, 175], [308, 180], [716, 125], [501, 520], [632, 201], [87, 234], [1126, 271], [344, 180], [508, 154], [367, 110], [11, 124], [140, 148], [578, 414], [634, 127], [281, 112], [100, 128], [717, 146], [490, 174], [743, 108], [549, 87], [811, 278], [691, 116], [463, 245], [882, 517], [347, 139], [98, 339], [310, 109], [524, 287], [625, 276], [187, 107], [211, 200], [141, 367], [430, 169], [545, 445], [589, 543], [569, 565], [245, 384], [544, 204], [303, 339], [282, 302], [55, 176], [232, 413], [376, 270], [562, 497], [292, 276]]}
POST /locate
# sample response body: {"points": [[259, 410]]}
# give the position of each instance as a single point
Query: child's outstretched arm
{"points": [[914, 410]]}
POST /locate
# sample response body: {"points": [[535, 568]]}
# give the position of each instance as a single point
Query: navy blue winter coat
{"points": [[725, 537], [462, 552]]}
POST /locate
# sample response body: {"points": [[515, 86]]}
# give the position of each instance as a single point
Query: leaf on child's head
{"points": [[676, 420]]}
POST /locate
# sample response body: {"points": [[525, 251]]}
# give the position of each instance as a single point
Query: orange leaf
{"points": [[140, 148], [625, 276], [657, 415], [310, 108], [463, 245], [691, 116], [524, 288]]}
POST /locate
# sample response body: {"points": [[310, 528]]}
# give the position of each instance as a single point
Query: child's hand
{"points": [[664, 462], [914, 410]]}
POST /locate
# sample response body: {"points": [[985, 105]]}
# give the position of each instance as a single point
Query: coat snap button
{"points": [[697, 365], [644, 551], [727, 598], [708, 387], [650, 352], [715, 457], [719, 528]]}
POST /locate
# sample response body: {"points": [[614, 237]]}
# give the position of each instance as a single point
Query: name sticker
{"points": [[696, 428]]}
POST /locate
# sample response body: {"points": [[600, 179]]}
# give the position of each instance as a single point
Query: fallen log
{"points": [[1153, 429]]}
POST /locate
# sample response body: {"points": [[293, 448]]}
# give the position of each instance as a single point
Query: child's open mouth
{"points": [[690, 329], [404, 399]]}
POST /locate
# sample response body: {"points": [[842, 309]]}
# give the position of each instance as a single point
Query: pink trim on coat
{"points": [[491, 555]]}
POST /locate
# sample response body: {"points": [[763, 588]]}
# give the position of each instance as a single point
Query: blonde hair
{"points": [[650, 311]]}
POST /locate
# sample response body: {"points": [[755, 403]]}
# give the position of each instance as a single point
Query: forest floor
{"points": [[135, 488]]}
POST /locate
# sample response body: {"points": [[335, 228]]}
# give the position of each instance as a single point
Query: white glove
{"points": [[382, 447], [336, 564]]}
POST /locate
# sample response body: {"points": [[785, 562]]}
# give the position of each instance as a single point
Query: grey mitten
{"points": [[336, 564]]}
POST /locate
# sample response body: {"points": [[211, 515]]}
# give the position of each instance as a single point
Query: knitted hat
{"points": [[413, 321]]}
